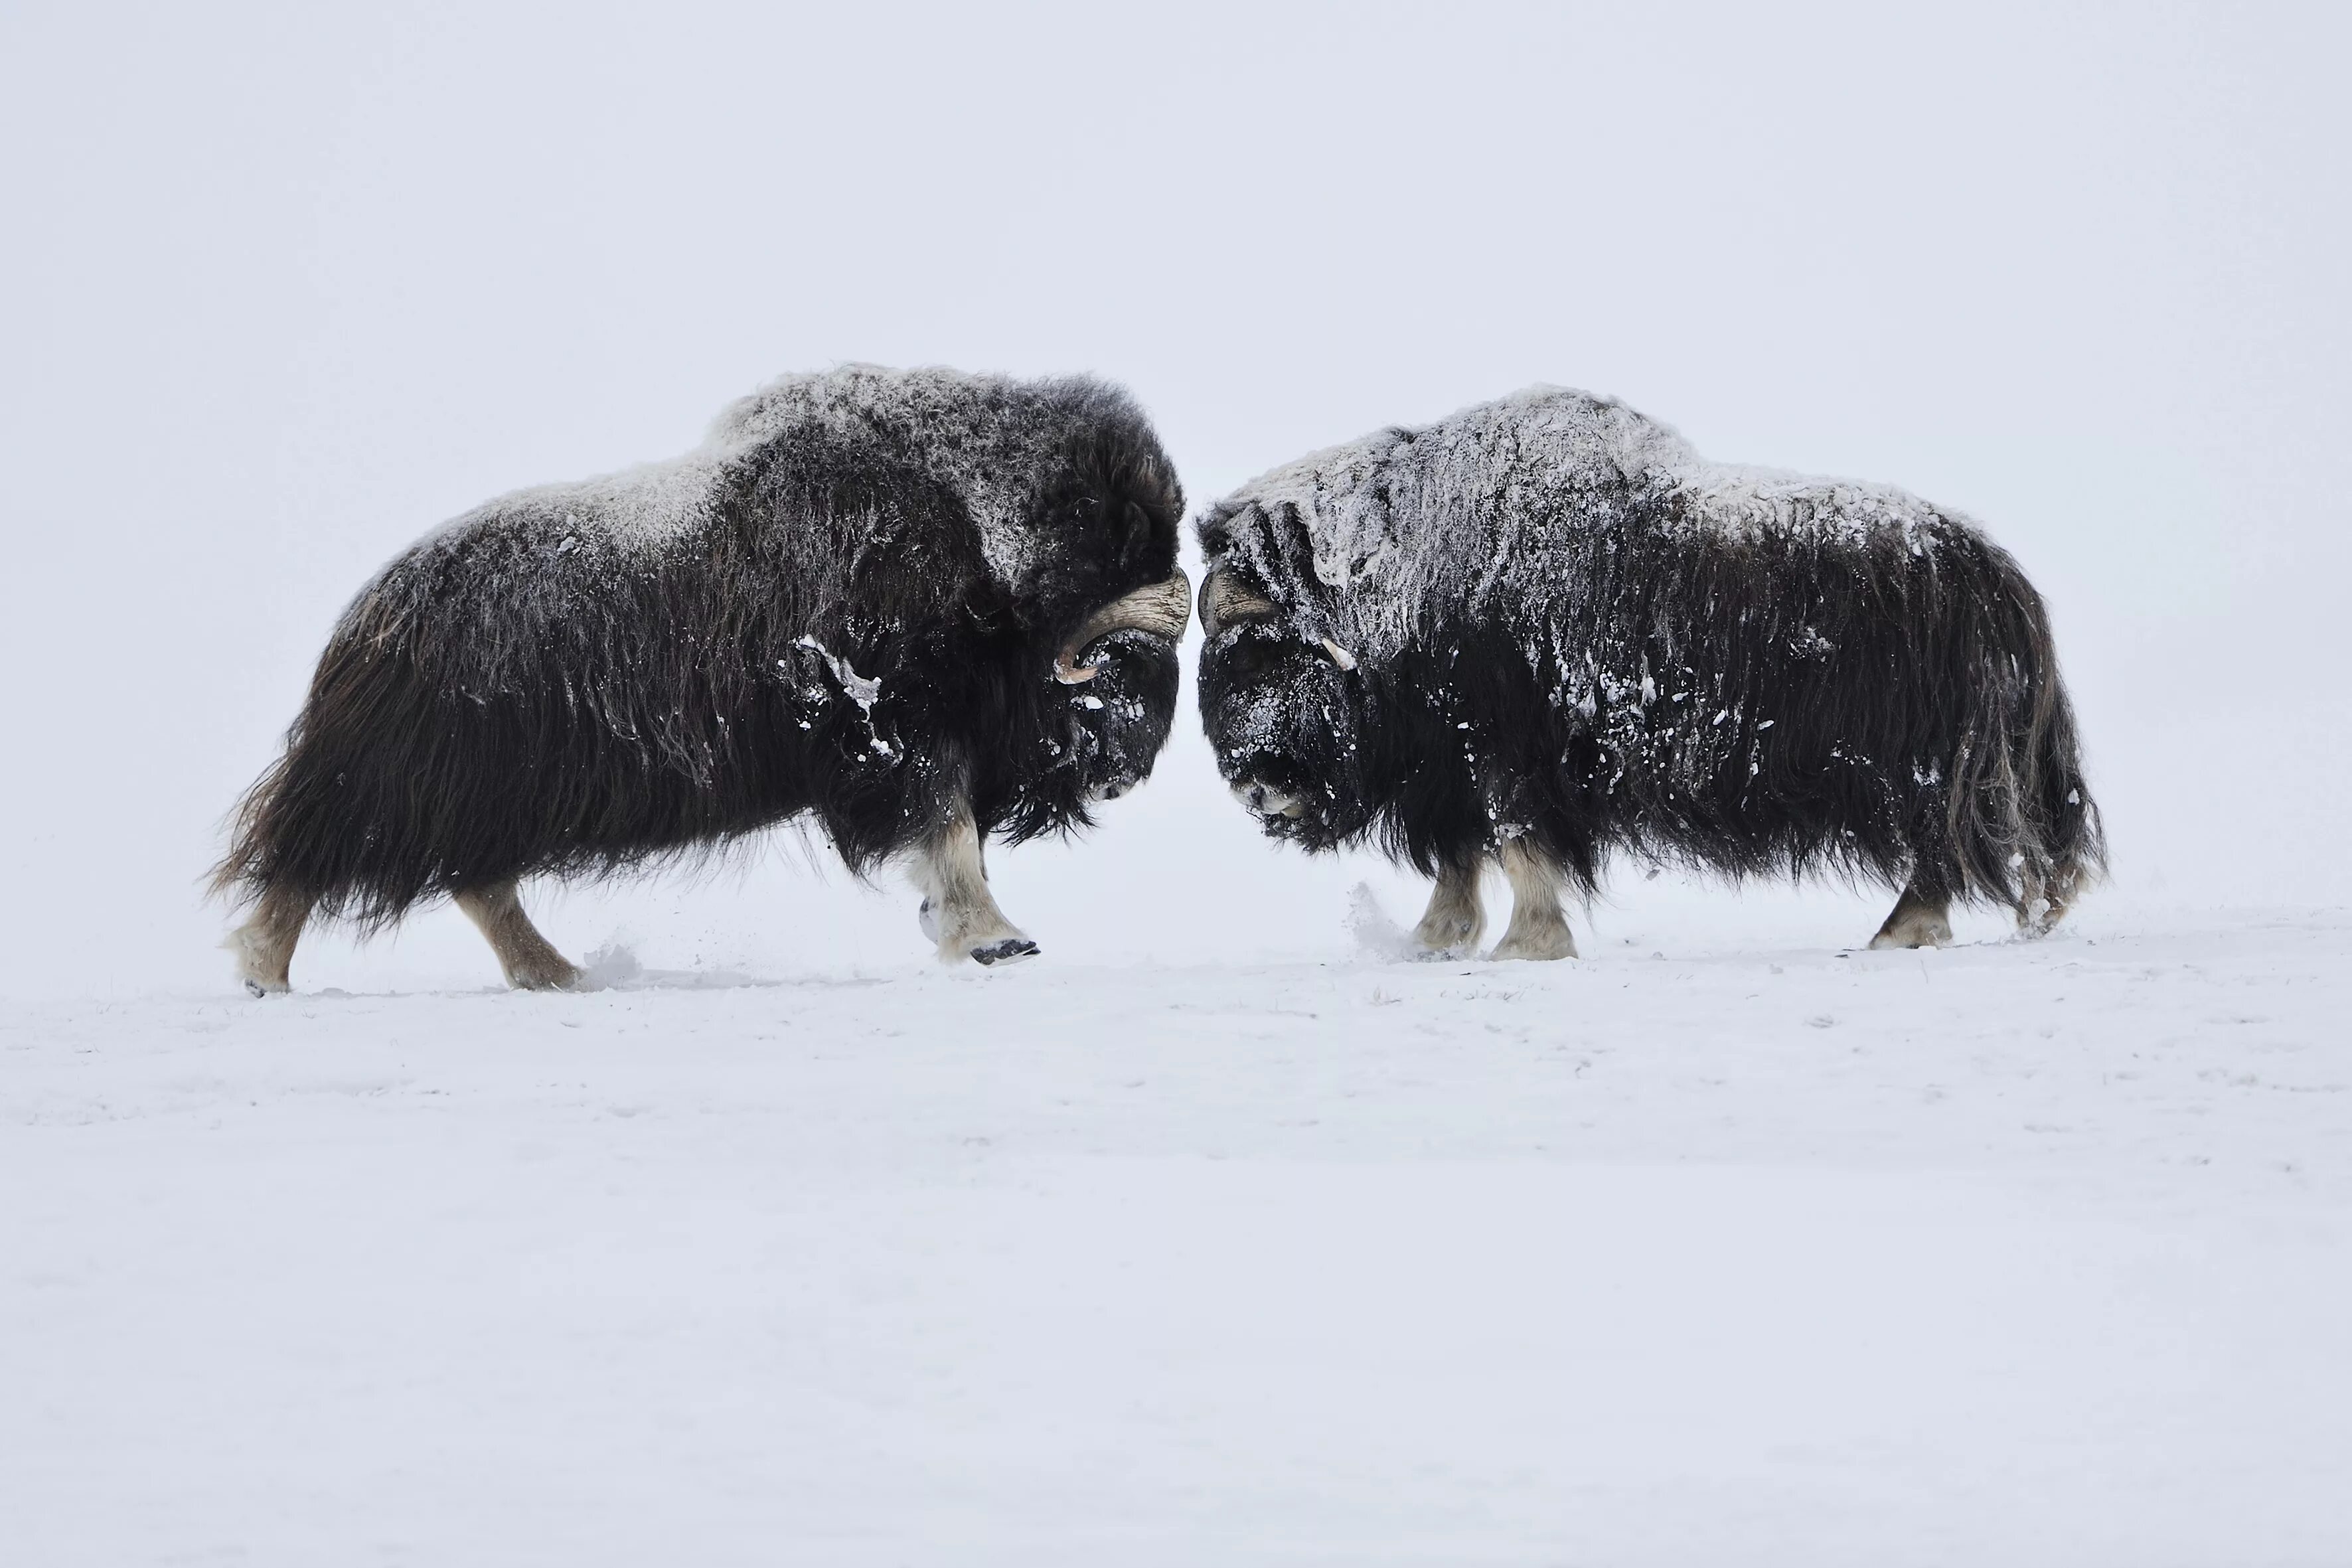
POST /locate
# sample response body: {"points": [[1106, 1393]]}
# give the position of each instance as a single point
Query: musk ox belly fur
{"points": [[851, 603], [1547, 622]]}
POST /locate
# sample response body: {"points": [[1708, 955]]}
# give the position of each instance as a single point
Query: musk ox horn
{"points": [[1225, 599], [1339, 655], [1162, 609]]}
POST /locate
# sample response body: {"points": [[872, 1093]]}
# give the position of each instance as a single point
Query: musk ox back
{"points": [[917, 607], [1545, 630]]}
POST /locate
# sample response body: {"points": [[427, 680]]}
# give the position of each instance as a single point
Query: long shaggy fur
{"points": [[1567, 624], [845, 604]]}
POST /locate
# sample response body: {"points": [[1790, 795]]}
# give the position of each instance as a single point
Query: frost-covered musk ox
{"points": [[920, 607], [1544, 630]]}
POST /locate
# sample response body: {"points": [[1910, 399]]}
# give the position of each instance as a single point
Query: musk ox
{"points": [[916, 607], [1544, 631]]}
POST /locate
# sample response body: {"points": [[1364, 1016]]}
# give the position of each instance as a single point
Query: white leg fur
{"points": [[1454, 918], [1538, 930], [264, 944], [1916, 920], [958, 909], [529, 960]]}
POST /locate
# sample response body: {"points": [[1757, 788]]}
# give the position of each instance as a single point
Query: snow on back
{"points": [[1407, 525], [990, 439], [645, 507], [987, 437]]}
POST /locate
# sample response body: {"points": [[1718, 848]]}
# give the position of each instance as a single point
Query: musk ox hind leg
{"points": [[959, 912], [529, 960], [1454, 920], [264, 944], [1920, 919], [1538, 928]]}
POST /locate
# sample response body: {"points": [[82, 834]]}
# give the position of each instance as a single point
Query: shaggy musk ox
{"points": [[1544, 630], [917, 606]]}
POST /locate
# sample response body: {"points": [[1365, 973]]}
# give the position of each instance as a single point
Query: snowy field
{"points": [[1743, 1251], [1220, 1236]]}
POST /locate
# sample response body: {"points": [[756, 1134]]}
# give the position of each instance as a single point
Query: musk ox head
{"points": [[1071, 505], [1096, 553], [1284, 706], [1108, 594]]}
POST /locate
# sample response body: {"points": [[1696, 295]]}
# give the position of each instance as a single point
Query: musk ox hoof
{"points": [[1915, 922], [926, 920], [1541, 946], [1012, 949], [1915, 933], [256, 989], [1450, 933], [557, 976]]}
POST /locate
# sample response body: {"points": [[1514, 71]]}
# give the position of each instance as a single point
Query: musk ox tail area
{"points": [[2020, 827], [356, 819]]}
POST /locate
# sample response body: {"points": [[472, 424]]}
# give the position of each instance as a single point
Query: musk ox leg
{"points": [[1454, 918], [1538, 930], [1918, 919], [264, 944], [528, 959], [2047, 899], [959, 912]]}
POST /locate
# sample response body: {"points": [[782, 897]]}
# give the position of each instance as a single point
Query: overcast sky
{"points": [[284, 286]]}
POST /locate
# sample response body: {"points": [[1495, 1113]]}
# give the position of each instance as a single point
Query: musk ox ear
{"points": [[1226, 600]]}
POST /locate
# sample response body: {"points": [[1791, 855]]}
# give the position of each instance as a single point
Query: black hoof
{"points": [[1012, 949], [253, 988]]}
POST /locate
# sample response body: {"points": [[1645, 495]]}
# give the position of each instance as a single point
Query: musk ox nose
{"points": [[1264, 800]]}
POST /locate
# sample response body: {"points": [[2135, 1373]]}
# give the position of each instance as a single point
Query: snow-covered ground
{"points": [[1720, 1246], [1217, 1236]]}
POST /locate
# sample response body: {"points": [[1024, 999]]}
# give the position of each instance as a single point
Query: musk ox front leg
{"points": [[529, 960], [1538, 928], [264, 944], [1453, 921], [959, 912], [1919, 919]]}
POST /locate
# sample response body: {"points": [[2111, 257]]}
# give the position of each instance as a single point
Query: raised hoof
{"points": [[1012, 949], [928, 920]]}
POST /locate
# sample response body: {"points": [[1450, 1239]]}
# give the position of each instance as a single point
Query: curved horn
{"points": [[1160, 609], [1225, 598]]}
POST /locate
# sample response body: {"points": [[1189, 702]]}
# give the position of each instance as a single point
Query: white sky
{"points": [[282, 288]]}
